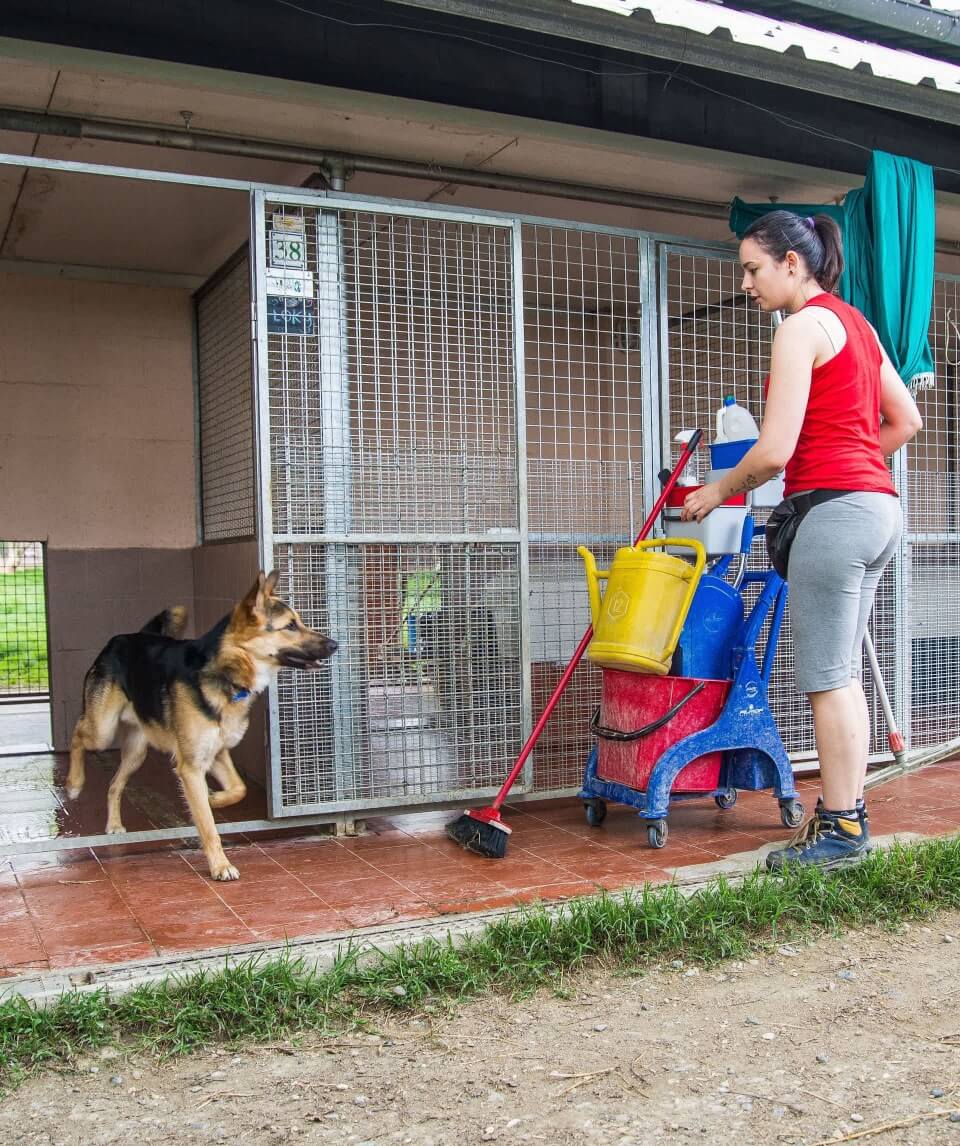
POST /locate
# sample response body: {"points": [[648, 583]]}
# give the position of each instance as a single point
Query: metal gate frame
{"points": [[331, 319], [654, 250], [915, 535], [646, 249]]}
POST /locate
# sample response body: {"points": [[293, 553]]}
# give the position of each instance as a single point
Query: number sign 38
{"points": [[288, 250]]}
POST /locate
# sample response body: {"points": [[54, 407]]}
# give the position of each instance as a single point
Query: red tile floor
{"points": [[82, 907]]}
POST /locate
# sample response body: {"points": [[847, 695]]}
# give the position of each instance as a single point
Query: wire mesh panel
{"points": [[714, 340], [887, 617], [434, 678], [933, 492], [935, 643], [225, 406], [390, 433], [392, 392], [423, 495], [585, 449], [24, 670], [934, 477]]}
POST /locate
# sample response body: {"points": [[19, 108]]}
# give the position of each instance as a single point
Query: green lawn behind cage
{"points": [[23, 632]]}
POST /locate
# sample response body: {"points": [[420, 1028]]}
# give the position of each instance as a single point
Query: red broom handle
{"points": [[588, 635]]}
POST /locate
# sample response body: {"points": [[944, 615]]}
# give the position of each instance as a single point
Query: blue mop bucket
{"points": [[725, 455]]}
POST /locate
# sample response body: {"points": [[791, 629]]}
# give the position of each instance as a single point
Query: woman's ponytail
{"points": [[831, 268]]}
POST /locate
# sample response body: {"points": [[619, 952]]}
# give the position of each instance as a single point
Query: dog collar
{"points": [[240, 694]]}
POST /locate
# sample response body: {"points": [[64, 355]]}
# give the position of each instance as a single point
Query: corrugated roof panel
{"points": [[781, 36], [901, 24]]}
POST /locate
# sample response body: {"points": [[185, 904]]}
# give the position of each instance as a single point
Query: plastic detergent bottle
{"points": [[734, 422]]}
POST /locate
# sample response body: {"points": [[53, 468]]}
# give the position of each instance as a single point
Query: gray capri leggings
{"points": [[836, 560]]}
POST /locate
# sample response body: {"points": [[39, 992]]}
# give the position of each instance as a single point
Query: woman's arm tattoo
{"points": [[751, 481]]}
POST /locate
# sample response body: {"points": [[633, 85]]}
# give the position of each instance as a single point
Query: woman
{"points": [[835, 408]]}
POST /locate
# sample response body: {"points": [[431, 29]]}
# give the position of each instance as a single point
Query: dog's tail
{"points": [[171, 622]]}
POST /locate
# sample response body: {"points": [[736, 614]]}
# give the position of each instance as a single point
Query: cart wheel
{"points": [[791, 813], [657, 833], [726, 799], [596, 812]]}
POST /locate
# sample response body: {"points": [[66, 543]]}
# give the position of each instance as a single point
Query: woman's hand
{"points": [[702, 501]]}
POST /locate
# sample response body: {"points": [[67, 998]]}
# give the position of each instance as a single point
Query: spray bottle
{"points": [[690, 474]]}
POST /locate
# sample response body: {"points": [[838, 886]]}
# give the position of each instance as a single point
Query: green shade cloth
{"points": [[889, 243], [888, 229], [743, 214]]}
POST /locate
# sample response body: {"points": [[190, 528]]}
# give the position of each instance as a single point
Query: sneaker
{"points": [[862, 815], [827, 841]]}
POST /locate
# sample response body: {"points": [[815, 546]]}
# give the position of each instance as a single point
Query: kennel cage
{"points": [[443, 405]]}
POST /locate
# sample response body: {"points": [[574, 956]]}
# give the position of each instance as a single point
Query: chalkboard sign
{"points": [[291, 315]]}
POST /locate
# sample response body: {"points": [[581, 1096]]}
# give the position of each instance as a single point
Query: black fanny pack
{"points": [[785, 520]]}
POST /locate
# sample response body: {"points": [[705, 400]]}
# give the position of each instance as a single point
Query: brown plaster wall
{"points": [[94, 594], [97, 426], [97, 458]]}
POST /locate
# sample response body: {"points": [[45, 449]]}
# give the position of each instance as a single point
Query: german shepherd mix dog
{"points": [[191, 699]]}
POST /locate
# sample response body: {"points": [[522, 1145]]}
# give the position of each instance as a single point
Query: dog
{"points": [[190, 699]]}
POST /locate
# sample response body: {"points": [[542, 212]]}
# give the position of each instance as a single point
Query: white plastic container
{"points": [[770, 494], [765, 496], [721, 531], [735, 422]]}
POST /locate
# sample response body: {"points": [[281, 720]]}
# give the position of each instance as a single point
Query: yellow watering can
{"points": [[638, 620]]}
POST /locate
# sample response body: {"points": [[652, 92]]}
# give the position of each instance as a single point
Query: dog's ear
{"points": [[253, 603], [256, 599]]}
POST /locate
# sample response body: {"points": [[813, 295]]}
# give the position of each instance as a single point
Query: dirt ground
{"points": [[800, 1046]]}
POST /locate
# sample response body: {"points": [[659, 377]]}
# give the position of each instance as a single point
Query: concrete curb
{"points": [[44, 988]]}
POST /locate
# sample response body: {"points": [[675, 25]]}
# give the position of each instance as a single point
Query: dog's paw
{"points": [[224, 871], [72, 793], [116, 829]]}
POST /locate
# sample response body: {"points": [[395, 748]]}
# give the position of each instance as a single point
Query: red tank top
{"points": [[839, 443]]}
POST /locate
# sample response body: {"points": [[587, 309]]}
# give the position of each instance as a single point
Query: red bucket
{"points": [[631, 701]]}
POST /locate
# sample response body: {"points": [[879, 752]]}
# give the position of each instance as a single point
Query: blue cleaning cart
{"points": [[719, 641]]}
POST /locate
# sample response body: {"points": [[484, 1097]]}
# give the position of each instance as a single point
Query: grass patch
{"points": [[23, 631], [517, 955]]}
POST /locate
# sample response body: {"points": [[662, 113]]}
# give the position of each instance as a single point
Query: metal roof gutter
{"points": [[640, 34]]}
